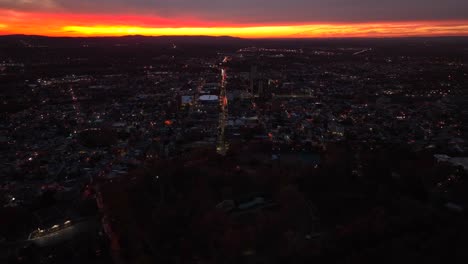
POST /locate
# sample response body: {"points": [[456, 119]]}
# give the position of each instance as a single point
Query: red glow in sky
{"points": [[63, 24]]}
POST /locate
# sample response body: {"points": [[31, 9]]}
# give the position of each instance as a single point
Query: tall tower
{"points": [[253, 79], [260, 91], [222, 146]]}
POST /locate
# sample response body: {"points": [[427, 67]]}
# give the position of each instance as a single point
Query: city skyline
{"points": [[241, 131], [248, 19]]}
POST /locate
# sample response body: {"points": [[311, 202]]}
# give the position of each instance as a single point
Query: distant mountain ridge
{"points": [[119, 37], [132, 40], [37, 40]]}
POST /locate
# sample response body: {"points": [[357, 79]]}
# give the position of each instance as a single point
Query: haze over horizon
{"points": [[241, 18]]}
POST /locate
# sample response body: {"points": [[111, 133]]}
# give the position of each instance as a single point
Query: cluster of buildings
{"points": [[64, 136]]}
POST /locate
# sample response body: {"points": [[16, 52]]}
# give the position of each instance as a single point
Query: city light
{"points": [[263, 122]]}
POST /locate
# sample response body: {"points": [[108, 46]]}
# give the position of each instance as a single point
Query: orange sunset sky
{"points": [[62, 18]]}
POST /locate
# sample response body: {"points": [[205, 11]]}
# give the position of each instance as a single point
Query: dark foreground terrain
{"points": [[226, 150]]}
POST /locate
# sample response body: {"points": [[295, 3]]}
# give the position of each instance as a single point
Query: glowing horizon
{"points": [[83, 25], [281, 31]]}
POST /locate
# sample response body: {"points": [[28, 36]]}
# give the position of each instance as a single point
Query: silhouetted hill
{"points": [[411, 44], [42, 41]]}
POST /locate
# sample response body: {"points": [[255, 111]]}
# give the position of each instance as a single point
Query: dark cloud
{"points": [[261, 11]]}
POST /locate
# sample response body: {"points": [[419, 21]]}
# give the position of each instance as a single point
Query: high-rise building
{"points": [[253, 79], [222, 145]]}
